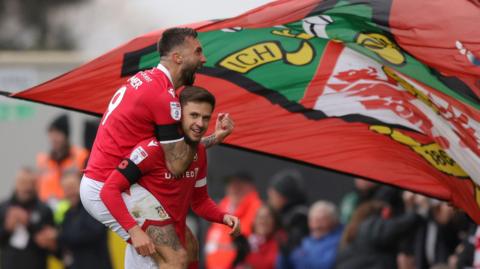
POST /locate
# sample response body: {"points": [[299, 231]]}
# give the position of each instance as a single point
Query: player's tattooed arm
{"points": [[223, 128], [178, 156], [164, 236], [209, 141]]}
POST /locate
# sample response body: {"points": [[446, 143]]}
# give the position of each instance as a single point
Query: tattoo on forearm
{"points": [[164, 235], [209, 141]]}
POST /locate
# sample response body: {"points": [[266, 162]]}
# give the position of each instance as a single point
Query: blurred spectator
{"points": [[287, 196], [82, 240], [260, 250], [242, 200], [89, 134], [465, 251], [366, 190], [476, 256], [371, 239], [24, 220], [440, 266], [62, 158], [437, 236], [319, 250]]}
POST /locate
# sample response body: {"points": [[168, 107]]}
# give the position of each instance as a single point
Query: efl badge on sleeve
{"points": [[175, 110], [138, 155]]}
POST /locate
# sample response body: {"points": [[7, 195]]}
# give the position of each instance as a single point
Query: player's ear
{"points": [[177, 58]]}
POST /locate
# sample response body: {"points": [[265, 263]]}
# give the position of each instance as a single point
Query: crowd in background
{"points": [[374, 226], [44, 215]]}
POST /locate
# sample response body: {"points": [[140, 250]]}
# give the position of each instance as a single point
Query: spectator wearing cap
{"points": [[61, 158], [287, 196], [242, 200]]}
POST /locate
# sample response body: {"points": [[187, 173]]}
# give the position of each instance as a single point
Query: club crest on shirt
{"points": [[138, 155], [162, 213], [175, 110]]}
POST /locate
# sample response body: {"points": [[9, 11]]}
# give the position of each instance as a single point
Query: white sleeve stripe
{"points": [[171, 141], [201, 182]]}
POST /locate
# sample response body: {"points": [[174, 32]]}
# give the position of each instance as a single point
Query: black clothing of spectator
{"points": [[32, 256], [376, 242], [83, 241]]}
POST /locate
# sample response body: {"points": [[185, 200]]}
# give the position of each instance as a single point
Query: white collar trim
{"points": [[165, 70]]}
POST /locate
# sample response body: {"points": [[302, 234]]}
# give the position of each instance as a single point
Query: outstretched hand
{"points": [[232, 222], [224, 126]]}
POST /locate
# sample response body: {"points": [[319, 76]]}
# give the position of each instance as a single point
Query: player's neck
{"points": [[174, 71]]}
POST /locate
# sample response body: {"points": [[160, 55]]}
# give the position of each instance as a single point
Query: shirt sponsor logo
{"points": [[188, 174], [138, 155], [175, 110]]}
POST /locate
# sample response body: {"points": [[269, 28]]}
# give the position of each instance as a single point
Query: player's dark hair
{"points": [[174, 37], [197, 95]]}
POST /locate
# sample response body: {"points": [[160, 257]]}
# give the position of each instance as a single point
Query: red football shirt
{"points": [[176, 195], [145, 105]]}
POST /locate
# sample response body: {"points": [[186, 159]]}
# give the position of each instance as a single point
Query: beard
{"points": [[188, 75], [190, 141]]}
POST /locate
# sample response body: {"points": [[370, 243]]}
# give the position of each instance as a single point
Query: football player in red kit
{"points": [[146, 106], [163, 216]]}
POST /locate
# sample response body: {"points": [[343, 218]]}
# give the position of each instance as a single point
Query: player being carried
{"points": [[147, 106], [163, 215]]}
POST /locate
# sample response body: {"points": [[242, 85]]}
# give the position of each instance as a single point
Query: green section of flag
{"points": [[353, 25], [260, 54], [280, 59], [149, 60]]}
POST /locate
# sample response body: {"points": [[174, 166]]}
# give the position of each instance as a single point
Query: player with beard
{"points": [[147, 106], [163, 215]]}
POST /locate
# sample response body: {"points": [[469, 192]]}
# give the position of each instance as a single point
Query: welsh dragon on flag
{"points": [[383, 89]]}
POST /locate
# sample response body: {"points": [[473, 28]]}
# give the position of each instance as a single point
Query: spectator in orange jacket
{"points": [[61, 158], [241, 200]]}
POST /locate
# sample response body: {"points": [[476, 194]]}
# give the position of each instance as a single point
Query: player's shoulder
{"points": [[159, 76], [150, 144], [160, 87], [146, 149]]}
